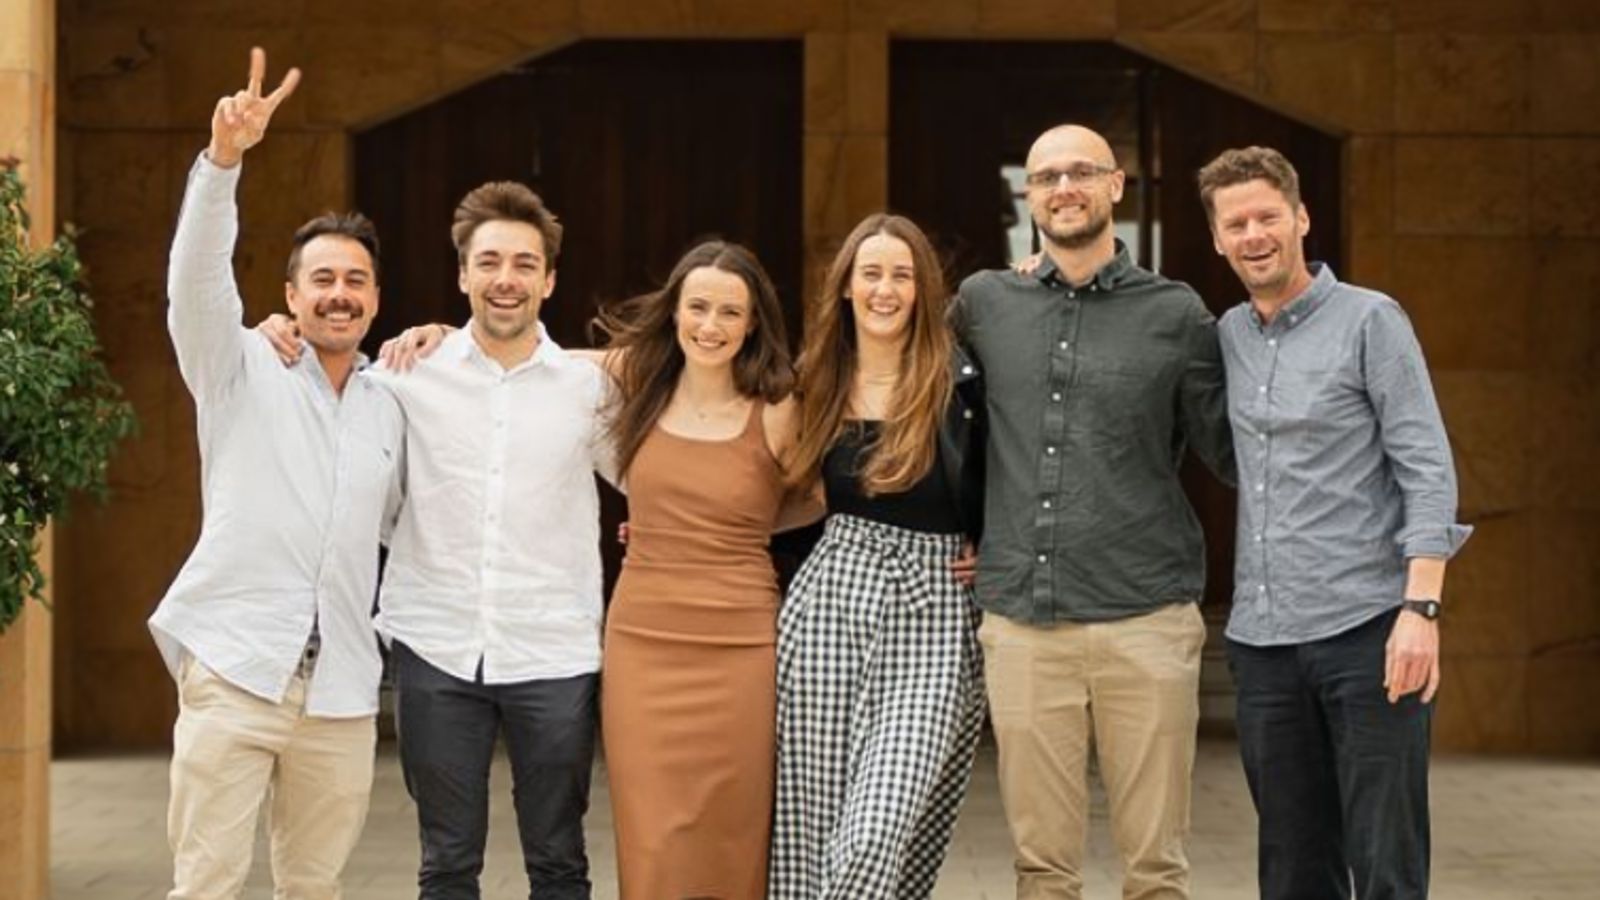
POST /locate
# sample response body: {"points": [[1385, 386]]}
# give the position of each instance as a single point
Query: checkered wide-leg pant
{"points": [[880, 698]]}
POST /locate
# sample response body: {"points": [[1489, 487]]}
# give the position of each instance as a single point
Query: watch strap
{"points": [[1428, 609]]}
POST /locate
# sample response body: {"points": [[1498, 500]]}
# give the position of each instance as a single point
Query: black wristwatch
{"points": [[1428, 609]]}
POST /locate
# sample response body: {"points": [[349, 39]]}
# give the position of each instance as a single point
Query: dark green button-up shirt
{"points": [[1095, 390]]}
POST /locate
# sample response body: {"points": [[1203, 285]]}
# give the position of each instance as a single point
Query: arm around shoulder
{"points": [[1203, 395], [802, 504]]}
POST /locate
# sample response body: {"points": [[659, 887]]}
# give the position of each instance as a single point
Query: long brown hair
{"points": [[645, 327], [907, 446]]}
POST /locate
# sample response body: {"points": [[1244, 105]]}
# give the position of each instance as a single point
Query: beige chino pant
{"points": [[231, 751], [1130, 686]]}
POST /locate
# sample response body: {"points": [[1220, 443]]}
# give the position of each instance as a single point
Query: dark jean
{"points": [[1339, 775], [447, 735]]}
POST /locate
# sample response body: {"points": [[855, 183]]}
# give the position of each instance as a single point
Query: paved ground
{"points": [[1504, 830]]}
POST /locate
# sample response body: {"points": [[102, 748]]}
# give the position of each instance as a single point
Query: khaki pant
{"points": [[231, 750], [1131, 686]]}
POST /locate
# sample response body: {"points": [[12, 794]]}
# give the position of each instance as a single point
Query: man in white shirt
{"points": [[492, 593], [267, 628]]}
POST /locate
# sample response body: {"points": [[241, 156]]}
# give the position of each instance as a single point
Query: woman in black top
{"points": [[880, 694]]}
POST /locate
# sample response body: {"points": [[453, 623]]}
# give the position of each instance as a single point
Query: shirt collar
{"points": [[461, 345], [1300, 308], [312, 364], [1109, 276]]}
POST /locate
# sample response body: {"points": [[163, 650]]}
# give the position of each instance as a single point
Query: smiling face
{"points": [[1261, 234], [1073, 211], [334, 294], [713, 317], [505, 277], [883, 288]]}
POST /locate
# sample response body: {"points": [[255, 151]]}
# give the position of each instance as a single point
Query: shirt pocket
{"points": [[1304, 393], [1128, 400]]}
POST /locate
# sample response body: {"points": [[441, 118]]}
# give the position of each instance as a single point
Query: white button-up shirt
{"points": [[297, 482], [496, 556]]}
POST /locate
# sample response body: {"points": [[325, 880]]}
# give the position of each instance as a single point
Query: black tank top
{"points": [[928, 506]]}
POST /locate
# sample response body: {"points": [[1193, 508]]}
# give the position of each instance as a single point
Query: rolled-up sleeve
{"points": [[1413, 435]]}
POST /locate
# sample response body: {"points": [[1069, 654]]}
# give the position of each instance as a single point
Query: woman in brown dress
{"points": [[688, 703]]}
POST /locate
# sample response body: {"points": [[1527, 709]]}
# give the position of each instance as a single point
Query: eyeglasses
{"points": [[1077, 173]]}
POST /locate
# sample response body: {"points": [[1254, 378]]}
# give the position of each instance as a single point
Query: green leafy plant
{"points": [[60, 412]]}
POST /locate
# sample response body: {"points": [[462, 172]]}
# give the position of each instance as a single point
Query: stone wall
{"points": [[1473, 160]]}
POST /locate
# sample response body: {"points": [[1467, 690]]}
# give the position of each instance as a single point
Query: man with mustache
{"points": [[492, 592], [1347, 515], [267, 629], [1092, 563]]}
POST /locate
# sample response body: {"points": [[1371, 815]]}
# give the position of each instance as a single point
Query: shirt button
{"points": [[966, 414], [1272, 342], [1056, 396], [1260, 486], [966, 370], [1261, 589], [1043, 559], [1262, 435], [1262, 389], [1258, 537], [1045, 504], [1050, 451], [1065, 344]]}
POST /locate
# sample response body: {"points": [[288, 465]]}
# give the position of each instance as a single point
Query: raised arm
{"points": [[204, 311]]}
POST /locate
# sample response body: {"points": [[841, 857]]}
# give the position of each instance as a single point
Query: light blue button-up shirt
{"points": [[297, 482], [1344, 466]]}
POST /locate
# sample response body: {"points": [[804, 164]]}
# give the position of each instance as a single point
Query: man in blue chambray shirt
{"points": [[1347, 515]]}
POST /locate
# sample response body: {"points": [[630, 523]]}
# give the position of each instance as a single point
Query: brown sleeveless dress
{"points": [[688, 704]]}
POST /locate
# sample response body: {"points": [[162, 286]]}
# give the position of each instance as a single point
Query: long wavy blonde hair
{"points": [[907, 445]]}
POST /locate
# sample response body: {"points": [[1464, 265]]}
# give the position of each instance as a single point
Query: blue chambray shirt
{"points": [[1344, 465]]}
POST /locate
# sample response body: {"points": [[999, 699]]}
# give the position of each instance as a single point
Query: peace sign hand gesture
{"points": [[240, 120]]}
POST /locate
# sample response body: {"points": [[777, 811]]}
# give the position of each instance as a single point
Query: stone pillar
{"points": [[846, 139], [27, 130]]}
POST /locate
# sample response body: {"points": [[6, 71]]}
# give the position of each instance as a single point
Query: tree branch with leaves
{"points": [[61, 415]]}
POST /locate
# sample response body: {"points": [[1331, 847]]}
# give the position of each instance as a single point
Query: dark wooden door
{"points": [[640, 147]]}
